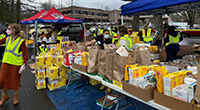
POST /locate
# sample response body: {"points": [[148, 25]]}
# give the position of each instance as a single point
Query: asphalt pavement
{"points": [[29, 97]]}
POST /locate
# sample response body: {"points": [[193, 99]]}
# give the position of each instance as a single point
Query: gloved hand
{"points": [[22, 68]]}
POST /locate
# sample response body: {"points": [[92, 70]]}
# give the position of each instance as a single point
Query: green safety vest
{"points": [[99, 32], [12, 54], [128, 41], [148, 37], [1, 37], [173, 40]]}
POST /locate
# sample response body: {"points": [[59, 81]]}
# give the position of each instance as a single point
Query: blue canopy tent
{"points": [[159, 7]]}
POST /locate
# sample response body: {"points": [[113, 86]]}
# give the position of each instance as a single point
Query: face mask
{"points": [[8, 32], [42, 45], [117, 32], [106, 36]]}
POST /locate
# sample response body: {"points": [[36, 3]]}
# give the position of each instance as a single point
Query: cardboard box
{"points": [[53, 72], [40, 83], [53, 49], [171, 102], [40, 72], [40, 61], [52, 84], [60, 60], [196, 107], [139, 92], [79, 67], [48, 60], [62, 81], [63, 71]]}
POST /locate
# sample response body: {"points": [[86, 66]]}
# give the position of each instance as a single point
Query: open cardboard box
{"points": [[79, 67], [171, 102], [145, 94]]}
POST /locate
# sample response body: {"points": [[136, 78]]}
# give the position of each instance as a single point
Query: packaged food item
{"points": [[160, 72], [62, 81], [122, 52], [40, 83], [191, 91], [63, 71], [172, 81], [146, 80], [126, 74], [117, 83], [53, 72], [48, 60], [40, 72], [54, 60], [59, 52], [58, 46], [52, 84], [40, 61], [137, 72], [53, 49], [94, 82], [84, 58], [180, 92], [60, 59]]}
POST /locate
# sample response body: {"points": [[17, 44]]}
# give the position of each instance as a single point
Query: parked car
{"points": [[92, 29], [43, 28], [190, 32], [74, 31]]}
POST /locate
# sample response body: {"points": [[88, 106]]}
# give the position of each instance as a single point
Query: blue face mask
{"points": [[106, 36]]}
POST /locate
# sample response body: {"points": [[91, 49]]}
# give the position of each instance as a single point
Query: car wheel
{"points": [[184, 35]]}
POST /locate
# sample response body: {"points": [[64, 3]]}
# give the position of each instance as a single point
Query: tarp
{"points": [[158, 7], [32, 19], [52, 16]]}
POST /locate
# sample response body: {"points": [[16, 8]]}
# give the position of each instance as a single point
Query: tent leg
{"points": [[122, 20], [35, 39], [84, 31]]}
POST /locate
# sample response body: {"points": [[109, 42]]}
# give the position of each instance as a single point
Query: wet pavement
{"points": [[29, 97], [190, 41]]}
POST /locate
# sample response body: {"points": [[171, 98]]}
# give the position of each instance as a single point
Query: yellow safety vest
{"points": [[114, 39], [12, 54], [99, 32], [128, 41], [58, 37], [173, 40], [148, 37], [1, 37]]}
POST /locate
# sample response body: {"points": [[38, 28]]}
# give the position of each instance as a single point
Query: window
{"points": [[68, 12], [90, 13], [95, 14], [64, 13], [76, 11]]}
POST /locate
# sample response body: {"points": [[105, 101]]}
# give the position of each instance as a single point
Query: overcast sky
{"points": [[100, 4]]}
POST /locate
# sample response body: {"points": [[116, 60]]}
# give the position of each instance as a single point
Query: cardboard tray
{"points": [[171, 102], [139, 92], [79, 67]]}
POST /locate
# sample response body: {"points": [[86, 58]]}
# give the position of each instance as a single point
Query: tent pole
{"points": [[84, 31], [35, 39], [27, 33], [122, 21]]}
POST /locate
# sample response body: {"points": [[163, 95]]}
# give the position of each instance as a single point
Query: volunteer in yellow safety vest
{"points": [[146, 34], [98, 31], [171, 42], [42, 48], [14, 62], [125, 40], [58, 36], [2, 47]]}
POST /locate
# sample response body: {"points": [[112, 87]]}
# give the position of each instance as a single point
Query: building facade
{"points": [[97, 15]]}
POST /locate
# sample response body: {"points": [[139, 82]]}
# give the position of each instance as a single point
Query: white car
{"points": [[92, 29]]}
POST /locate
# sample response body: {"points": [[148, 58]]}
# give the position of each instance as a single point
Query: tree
{"points": [[47, 5], [158, 21], [189, 16]]}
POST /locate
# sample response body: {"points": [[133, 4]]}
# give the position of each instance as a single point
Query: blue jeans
{"points": [[2, 48]]}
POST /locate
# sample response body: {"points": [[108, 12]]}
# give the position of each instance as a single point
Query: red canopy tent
{"points": [[32, 19]]}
